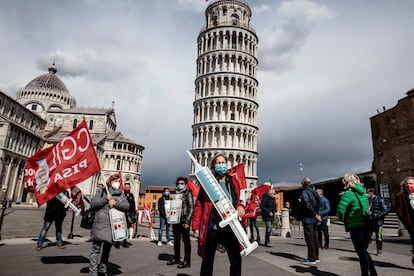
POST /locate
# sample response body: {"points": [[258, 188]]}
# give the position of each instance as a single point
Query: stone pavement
{"points": [[144, 257]]}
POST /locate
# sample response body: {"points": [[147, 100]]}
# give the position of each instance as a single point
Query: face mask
{"points": [[127, 189], [167, 193], [115, 185], [180, 187], [220, 169], [410, 188]]}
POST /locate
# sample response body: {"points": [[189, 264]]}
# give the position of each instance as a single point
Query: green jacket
{"points": [[349, 210]]}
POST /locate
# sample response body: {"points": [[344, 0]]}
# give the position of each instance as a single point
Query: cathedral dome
{"points": [[48, 81]]}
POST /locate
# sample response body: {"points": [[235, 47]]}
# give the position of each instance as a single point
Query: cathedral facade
{"points": [[43, 113], [225, 105]]}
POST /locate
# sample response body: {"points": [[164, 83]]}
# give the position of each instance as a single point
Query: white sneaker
{"points": [[159, 243], [170, 243]]}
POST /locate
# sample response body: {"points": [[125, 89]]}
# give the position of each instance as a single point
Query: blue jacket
{"points": [[378, 210], [324, 208], [309, 205]]}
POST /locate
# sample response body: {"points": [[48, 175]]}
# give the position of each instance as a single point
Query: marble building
{"points": [[44, 112]]}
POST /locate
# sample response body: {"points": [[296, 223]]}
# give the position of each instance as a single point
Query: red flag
{"points": [[238, 175], [70, 161], [121, 182], [253, 207], [76, 195], [193, 187]]}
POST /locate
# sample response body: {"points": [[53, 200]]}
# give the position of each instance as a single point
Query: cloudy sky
{"points": [[325, 67]]}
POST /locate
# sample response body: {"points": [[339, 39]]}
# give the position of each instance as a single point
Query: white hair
{"points": [[350, 180]]}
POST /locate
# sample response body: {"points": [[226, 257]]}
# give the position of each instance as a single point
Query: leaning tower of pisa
{"points": [[225, 105]]}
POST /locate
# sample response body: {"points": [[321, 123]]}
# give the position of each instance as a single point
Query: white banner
{"points": [[174, 210], [118, 225]]}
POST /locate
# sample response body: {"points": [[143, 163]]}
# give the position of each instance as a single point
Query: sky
{"points": [[325, 67]]}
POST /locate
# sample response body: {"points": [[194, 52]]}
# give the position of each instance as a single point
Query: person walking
{"points": [[268, 206], [163, 218], [324, 210], [308, 213], [352, 208], [182, 229], [206, 220], [377, 211], [55, 212], [101, 233], [404, 207]]}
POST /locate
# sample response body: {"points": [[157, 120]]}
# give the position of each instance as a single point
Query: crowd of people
{"points": [[361, 210]]}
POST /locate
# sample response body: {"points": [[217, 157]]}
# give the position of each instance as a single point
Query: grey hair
{"points": [[403, 183], [349, 179]]}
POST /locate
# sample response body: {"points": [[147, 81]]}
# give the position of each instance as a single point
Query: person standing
{"points": [[163, 218], [253, 224], [182, 229], [324, 210], [131, 213], [268, 206], [308, 212], [206, 220], [352, 208], [55, 212], [377, 210], [404, 207], [101, 233]]}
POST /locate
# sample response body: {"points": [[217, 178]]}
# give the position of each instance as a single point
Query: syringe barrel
{"points": [[210, 184]]}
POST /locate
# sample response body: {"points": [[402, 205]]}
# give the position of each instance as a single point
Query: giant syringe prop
{"points": [[68, 202], [223, 206]]}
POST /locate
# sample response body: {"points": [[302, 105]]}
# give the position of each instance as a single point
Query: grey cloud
{"points": [[278, 45]]}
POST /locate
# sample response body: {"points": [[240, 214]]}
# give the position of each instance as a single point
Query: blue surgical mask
{"points": [[220, 169], [167, 194], [180, 187]]}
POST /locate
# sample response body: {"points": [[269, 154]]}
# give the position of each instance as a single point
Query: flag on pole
{"points": [[121, 182], [193, 187], [70, 161], [238, 175], [253, 207]]}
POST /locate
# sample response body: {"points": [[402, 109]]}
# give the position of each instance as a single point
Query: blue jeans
{"points": [[268, 224], [361, 238], [163, 222], [45, 228], [323, 228]]}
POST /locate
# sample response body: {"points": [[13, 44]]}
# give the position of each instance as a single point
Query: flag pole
{"points": [[70, 236]]}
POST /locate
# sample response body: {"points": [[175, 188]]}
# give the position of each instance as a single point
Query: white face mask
{"points": [[115, 185]]}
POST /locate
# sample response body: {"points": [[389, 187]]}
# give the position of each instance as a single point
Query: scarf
{"points": [[411, 198]]}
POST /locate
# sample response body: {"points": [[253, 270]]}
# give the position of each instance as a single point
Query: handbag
{"points": [[87, 219]]}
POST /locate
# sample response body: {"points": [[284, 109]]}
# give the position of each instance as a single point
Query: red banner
{"points": [[238, 175], [253, 207], [193, 187], [121, 181], [70, 161]]}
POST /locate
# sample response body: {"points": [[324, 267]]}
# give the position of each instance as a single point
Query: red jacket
{"points": [[202, 215]]}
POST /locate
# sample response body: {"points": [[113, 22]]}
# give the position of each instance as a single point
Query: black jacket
{"points": [[55, 210], [187, 208], [268, 205], [161, 206]]}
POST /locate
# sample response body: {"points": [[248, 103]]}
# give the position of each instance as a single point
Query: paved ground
{"points": [[144, 257]]}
